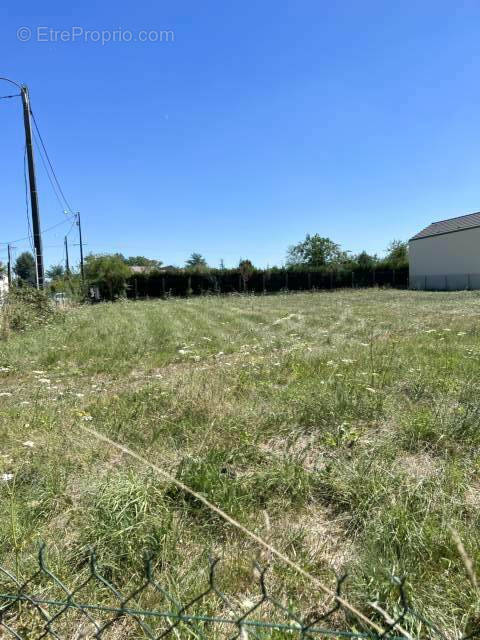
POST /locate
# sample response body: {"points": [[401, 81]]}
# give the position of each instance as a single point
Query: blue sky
{"points": [[260, 122]]}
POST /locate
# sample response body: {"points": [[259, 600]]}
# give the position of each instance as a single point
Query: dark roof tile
{"points": [[448, 226]]}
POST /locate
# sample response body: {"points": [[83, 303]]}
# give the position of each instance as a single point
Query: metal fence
{"points": [[43, 606], [445, 282]]}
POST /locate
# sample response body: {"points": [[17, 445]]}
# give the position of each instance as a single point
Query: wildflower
{"points": [[5, 477], [4, 369], [276, 364], [29, 444], [462, 333], [5, 393], [38, 373], [371, 390], [44, 380], [87, 418], [347, 361], [80, 395], [364, 344], [330, 363]]}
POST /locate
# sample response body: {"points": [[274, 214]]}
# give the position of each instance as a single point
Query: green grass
{"points": [[344, 427]]}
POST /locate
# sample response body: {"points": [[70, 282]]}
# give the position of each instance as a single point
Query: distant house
{"points": [[446, 255], [140, 269]]}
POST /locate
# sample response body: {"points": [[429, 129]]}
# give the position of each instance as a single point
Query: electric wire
{"points": [[52, 183], [54, 226], [68, 207], [14, 95]]}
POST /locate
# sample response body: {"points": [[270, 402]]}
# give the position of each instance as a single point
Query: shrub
{"points": [[26, 307]]}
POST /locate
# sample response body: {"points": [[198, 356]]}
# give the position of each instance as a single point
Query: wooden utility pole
{"points": [[37, 236], [9, 265], [79, 225], [67, 263]]}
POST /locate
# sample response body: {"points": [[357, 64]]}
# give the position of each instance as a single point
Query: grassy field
{"points": [[343, 427]]}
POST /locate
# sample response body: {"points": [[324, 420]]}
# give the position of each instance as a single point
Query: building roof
{"points": [[461, 223]]}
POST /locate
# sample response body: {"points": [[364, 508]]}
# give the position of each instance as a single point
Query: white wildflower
{"points": [[5, 393], [371, 390], [80, 395], [44, 380], [5, 477], [29, 444], [87, 418]]}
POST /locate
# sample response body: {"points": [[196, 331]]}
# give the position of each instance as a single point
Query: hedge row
{"points": [[157, 284]]}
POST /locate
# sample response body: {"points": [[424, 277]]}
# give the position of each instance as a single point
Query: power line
{"points": [[14, 95], [52, 183], [54, 226], [69, 208]]}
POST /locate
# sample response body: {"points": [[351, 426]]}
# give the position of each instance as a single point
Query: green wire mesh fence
{"points": [[42, 606]]}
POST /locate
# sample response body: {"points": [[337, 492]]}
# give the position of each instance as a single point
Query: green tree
{"points": [[366, 261], [109, 273], [25, 268], [55, 272], [397, 254], [246, 269], [315, 251], [142, 261], [196, 262]]}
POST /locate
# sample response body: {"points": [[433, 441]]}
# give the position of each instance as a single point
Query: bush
{"points": [[26, 307]]}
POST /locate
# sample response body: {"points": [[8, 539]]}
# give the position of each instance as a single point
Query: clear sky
{"points": [[263, 120]]}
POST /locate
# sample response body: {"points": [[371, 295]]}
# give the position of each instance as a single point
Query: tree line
{"points": [[110, 272]]}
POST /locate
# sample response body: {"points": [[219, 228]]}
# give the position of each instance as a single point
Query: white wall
{"points": [[446, 260], [3, 285]]}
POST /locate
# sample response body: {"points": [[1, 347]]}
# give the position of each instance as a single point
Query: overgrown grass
{"points": [[342, 426]]}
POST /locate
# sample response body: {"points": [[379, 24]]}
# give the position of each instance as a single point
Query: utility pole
{"points": [[37, 237], [67, 263], [79, 225], [9, 265]]}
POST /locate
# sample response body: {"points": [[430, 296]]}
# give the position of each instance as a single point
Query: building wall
{"points": [[3, 286], [448, 261]]}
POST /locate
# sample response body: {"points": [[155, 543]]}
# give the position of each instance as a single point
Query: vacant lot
{"points": [[343, 427]]}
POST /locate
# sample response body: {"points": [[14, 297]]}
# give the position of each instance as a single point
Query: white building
{"points": [[3, 285], [446, 255]]}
